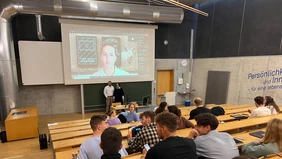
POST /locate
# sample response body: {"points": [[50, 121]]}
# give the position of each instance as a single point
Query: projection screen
{"points": [[98, 52]]}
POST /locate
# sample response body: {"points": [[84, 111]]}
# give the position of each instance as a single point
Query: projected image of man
{"points": [[108, 58]]}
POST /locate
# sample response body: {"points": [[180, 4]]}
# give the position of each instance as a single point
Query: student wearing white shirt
{"points": [[109, 92], [261, 110], [270, 104]]}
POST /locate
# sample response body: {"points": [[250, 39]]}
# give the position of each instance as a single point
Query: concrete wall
{"points": [[174, 64], [51, 99], [242, 87]]}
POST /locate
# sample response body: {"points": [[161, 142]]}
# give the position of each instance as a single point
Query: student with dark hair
{"points": [[111, 143], [90, 149], [172, 146], [148, 134], [182, 122], [118, 94], [200, 108], [261, 110], [270, 104], [211, 143], [163, 107], [113, 119]]}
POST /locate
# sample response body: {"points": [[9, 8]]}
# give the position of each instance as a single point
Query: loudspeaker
{"points": [[43, 141], [3, 136]]}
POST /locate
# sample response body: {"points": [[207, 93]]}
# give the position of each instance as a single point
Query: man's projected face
{"points": [[108, 57]]}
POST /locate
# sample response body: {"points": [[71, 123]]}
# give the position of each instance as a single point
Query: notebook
{"points": [[258, 134]]}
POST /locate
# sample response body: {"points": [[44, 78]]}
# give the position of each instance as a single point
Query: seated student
{"points": [[163, 107], [270, 104], [111, 143], [182, 122], [113, 119], [209, 142], [200, 108], [90, 149], [172, 146], [261, 110], [131, 115], [270, 144], [148, 134]]}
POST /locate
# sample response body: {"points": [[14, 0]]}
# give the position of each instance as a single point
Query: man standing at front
{"points": [[109, 92]]}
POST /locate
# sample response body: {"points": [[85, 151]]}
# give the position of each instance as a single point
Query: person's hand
{"points": [[249, 110], [261, 140], [129, 135], [144, 152], [193, 134]]}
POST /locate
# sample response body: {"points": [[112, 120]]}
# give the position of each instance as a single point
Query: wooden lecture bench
{"points": [[244, 135], [183, 132]]}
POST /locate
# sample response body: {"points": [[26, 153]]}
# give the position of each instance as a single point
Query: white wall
{"points": [[241, 89]]}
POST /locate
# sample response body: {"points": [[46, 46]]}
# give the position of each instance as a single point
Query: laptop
{"points": [[258, 134], [240, 116], [238, 141]]}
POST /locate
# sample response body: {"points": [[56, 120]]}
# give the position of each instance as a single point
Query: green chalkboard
{"points": [[94, 98]]}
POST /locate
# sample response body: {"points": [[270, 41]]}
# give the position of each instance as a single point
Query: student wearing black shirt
{"points": [[172, 146], [200, 108], [118, 94], [111, 143]]}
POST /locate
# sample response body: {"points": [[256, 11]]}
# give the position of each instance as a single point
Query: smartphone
{"points": [[147, 147]]}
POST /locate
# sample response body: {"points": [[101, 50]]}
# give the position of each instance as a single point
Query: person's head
{"points": [[110, 83], [173, 109], [112, 113], [198, 101], [99, 123], [108, 56], [273, 132], [131, 107], [206, 122], [111, 140], [117, 85], [166, 124], [147, 117], [163, 107], [259, 101], [269, 101]]}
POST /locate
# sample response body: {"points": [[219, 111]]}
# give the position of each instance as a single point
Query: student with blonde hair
{"points": [[270, 144]]}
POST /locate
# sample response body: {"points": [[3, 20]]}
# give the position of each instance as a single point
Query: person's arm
{"points": [[136, 117], [151, 154], [188, 124], [82, 153], [253, 114], [122, 94], [105, 92], [137, 142], [193, 134], [253, 148]]}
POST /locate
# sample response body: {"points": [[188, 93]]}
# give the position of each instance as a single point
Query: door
{"points": [[165, 82]]}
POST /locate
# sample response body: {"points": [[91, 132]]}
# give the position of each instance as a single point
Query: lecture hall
{"points": [[140, 79]]}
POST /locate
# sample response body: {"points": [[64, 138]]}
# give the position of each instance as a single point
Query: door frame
{"points": [[156, 77]]}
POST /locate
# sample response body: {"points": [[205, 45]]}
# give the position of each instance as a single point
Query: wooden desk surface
{"points": [[30, 112], [69, 143]]}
